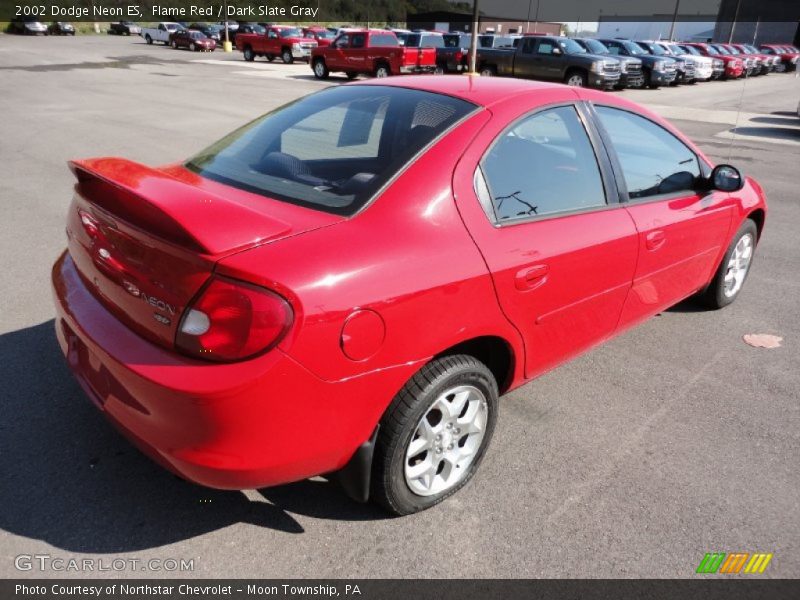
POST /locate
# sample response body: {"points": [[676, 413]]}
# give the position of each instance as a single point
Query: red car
{"points": [[787, 55], [196, 41], [347, 284], [288, 42], [734, 66], [322, 35], [374, 52]]}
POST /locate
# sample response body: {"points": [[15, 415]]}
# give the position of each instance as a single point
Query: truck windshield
{"points": [[596, 47], [690, 50], [634, 49], [333, 150], [571, 47]]}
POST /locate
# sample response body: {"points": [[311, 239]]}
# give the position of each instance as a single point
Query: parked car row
{"points": [[620, 63]]}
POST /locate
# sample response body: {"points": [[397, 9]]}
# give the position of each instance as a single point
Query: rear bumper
{"points": [[256, 423]]}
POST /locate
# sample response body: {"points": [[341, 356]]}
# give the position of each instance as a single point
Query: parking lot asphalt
{"points": [[673, 440]]}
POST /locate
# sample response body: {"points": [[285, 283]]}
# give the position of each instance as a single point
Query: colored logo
{"points": [[720, 562]]}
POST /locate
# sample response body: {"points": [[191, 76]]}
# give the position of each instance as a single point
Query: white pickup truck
{"points": [[160, 33]]}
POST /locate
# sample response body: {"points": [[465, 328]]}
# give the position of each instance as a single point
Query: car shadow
{"points": [[791, 122], [784, 113], [778, 133], [71, 480], [689, 305]]}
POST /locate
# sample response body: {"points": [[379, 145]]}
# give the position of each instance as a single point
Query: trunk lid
{"points": [[145, 241]]}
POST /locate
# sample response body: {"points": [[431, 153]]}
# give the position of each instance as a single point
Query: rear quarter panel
{"points": [[408, 257]]}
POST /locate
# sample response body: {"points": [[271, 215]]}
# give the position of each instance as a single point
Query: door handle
{"points": [[531, 277], [655, 239]]}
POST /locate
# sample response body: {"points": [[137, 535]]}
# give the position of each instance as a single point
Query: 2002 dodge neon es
{"points": [[347, 284]]}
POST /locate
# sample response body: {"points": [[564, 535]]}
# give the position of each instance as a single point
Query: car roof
{"points": [[483, 91]]}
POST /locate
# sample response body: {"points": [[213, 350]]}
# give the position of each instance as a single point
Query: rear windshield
{"points": [[333, 150]]}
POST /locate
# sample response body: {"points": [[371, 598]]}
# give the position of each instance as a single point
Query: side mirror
{"points": [[726, 178], [557, 51]]}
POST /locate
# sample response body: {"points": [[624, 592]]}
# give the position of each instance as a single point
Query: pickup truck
{"points": [[454, 55], [288, 42], [553, 58], [630, 68], [371, 51], [160, 33], [658, 70]]}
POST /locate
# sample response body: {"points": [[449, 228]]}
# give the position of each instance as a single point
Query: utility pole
{"points": [[674, 18], [733, 25], [473, 45]]}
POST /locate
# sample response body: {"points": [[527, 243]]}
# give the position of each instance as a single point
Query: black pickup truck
{"points": [[453, 55], [631, 75], [657, 70], [551, 58]]}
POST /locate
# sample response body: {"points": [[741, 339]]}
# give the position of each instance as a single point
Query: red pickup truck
{"points": [[371, 51], [279, 40]]}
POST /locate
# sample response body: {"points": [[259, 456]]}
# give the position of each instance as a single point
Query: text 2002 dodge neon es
{"points": [[349, 283]]}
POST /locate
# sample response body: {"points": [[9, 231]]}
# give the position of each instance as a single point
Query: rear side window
{"points": [[653, 161], [542, 165], [383, 40], [333, 150]]}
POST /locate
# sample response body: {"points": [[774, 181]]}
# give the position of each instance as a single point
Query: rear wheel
{"points": [[487, 71], [148, 39], [382, 70], [734, 268], [321, 69], [174, 45], [286, 56], [434, 434], [249, 55]]}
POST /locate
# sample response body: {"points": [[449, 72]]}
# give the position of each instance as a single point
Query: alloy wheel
{"points": [[446, 441], [738, 265]]}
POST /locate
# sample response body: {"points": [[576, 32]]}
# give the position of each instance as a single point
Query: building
{"points": [[454, 21]]}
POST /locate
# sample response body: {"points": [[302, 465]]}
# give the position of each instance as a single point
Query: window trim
{"points": [[604, 167], [622, 186]]}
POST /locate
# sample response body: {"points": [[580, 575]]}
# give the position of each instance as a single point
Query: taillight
{"points": [[459, 55], [232, 320]]}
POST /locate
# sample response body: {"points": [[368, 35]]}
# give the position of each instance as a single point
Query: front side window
{"points": [[654, 162], [543, 165], [333, 150], [357, 40], [545, 47]]}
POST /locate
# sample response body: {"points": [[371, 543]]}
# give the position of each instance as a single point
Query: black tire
{"points": [[714, 296], [575, 78], [286, 56], [148, 39], [648, 80], [487, 70], [174, 45], [320, 69], [382, 70], [440, 69], [270, 57], [351, 75], [400, 421], [248, 53]]}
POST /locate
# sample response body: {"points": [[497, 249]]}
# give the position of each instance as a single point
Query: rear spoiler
{"points": [[170, 209]]}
